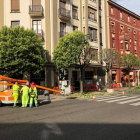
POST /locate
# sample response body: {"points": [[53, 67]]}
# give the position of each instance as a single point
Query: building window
{"points": [[129, 30], [92, 14], [75, 12], [75, 28], [121, 44], [111, 10], [37, 26], [100, 4], [84, 30], [15, 6], [121, 16], [101, 43], [126, 45], [134, 22], [128, 18], [121, 31], [112, 28], [135, 49], [93, 34], [62, 4], [134, 35], [62, 29], [100, 20], [15, 24], [113, 43]]}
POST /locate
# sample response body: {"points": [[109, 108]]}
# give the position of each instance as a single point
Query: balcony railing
{"points": [[93, 39], [75, 16], [64, 13], [93, 0], [93, 19], [36, 10], [62, 33]]}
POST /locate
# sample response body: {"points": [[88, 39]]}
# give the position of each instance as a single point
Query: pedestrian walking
{"points": [[97, 83], [25, 95], [15, 93], [33, 95]]}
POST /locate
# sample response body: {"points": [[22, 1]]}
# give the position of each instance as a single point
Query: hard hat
{"points": [[32, 84], [27, 83]]}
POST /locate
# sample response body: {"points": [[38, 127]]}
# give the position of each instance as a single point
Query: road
{"points": [[73, 119]]}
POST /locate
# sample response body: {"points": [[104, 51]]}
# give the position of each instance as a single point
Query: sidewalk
{"points": [[53, 97]]}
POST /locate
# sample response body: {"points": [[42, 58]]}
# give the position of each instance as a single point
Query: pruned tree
{"points": [[108, 57], [21, 51], [129, 61], [73, 49]]}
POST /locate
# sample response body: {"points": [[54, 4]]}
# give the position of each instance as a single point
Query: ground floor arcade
{"points": [[121, 76]]}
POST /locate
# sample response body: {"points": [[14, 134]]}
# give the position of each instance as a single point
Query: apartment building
{"points": [[1, 13], [123, 31], [51, 20]]}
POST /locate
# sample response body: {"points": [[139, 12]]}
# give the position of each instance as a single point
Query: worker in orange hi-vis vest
{"points": [[15, 93]]}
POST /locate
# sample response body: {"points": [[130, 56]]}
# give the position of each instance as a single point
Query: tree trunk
{"points": [[109, 79], [46, 76], [81, 81], [26, 76], [129, 79]]}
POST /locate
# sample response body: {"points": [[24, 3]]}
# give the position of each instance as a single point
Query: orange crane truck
{"points": [[6, 94]]}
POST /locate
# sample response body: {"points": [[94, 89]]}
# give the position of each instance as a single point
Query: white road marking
{"points": [[122, 99], [135, 104], [111, 98], [129, 101], [106, 97]]}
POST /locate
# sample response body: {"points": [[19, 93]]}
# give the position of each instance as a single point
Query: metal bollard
{"points": [[47, 95]]}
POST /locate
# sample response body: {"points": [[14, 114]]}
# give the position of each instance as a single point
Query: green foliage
{"points": [[109, 55], [20, 51], [129, 61], [69, 49], [137, 87]]}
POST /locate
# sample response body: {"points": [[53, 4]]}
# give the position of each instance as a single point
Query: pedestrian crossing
{"points": [[130, 100]]}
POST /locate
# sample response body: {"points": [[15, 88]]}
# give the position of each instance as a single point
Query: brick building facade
{"points": [[124, 35]]}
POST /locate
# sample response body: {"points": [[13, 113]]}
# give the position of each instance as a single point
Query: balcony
{"points": [[93, 19], [75, 16], [35, 10], [125, 35], [64, 14], [62, 34], [93, 40]]}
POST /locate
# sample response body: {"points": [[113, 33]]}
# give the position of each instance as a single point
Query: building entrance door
{"points": [[76, 79]]}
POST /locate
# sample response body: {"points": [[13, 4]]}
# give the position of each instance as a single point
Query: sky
{"points": [[132, 5]]}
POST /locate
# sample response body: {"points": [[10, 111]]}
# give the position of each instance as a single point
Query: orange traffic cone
{"points": [[123, 92], [93, 97]]}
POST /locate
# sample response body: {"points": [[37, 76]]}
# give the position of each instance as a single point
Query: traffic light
{"points": [[61, 74], [65, 72]]}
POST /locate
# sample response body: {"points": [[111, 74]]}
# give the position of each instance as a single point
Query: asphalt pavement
{"points": [[73, 119]]}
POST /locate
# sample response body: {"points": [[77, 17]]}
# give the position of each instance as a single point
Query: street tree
{"points": [[73, 49], [108, 57], [129, 62], [21, 51]]}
